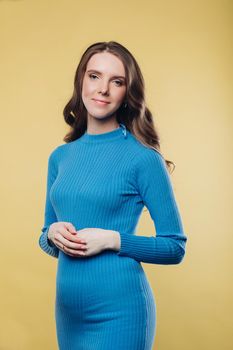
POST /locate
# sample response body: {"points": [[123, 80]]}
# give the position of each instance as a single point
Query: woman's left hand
{"points": [[96, 240]]}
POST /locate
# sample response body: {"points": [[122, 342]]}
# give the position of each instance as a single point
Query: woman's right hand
{"points": [[64, 235]]}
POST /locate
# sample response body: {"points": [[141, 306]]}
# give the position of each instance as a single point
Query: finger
{"points": [[74, 252], [68, 251], [58, 240], [70, 227], [75, 255], [67, 243], [71, 237], [59, 245], [65, 250]]}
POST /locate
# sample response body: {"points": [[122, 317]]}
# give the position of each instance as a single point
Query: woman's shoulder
{"points": [[145, 154], [57, 151]]}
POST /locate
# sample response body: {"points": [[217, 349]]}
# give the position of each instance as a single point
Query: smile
{"points": [[101, 103]]}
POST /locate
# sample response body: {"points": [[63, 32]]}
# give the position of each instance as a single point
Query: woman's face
{"points": [[104, 80]]}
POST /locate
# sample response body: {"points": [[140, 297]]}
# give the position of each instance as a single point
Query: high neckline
{"points": [[108, 136]]}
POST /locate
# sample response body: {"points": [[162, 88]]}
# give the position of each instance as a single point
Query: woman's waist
{"points": [[107, 259], [105, 265], [106, 273]]}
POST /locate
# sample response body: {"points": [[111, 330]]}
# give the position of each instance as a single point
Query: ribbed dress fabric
{"points": [[104, 180]]}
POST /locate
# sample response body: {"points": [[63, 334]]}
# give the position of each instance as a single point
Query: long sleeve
{"points": [[156, 191], [49, 214]]}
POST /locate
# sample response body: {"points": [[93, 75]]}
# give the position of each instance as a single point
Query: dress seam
{"points": [[146, 308]]}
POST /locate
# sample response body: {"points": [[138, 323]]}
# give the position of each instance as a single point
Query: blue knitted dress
{"points": [[104, 180]]}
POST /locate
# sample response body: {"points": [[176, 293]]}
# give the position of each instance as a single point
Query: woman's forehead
{"points": [[106, 62]]}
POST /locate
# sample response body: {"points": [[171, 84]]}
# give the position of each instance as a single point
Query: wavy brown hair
{"points": [[136, 116]]}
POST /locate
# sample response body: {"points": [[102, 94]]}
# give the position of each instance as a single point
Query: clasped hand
{"points": [[80, 243]]}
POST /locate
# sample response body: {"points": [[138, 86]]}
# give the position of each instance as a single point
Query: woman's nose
{"points": [[104, 88]]}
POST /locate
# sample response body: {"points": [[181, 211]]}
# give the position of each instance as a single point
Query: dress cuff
{"points": [[47, 245]]}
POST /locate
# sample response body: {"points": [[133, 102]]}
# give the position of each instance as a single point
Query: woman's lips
{"points": [[101, 103]]}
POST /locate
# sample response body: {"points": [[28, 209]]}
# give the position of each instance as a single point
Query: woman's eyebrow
{"points": [[96, 71]]}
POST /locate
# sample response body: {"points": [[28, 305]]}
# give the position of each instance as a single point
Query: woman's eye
{"points": [[92, 76], [118, 82]]}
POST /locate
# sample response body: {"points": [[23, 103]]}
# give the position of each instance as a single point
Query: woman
{"points": [[98, 183]]}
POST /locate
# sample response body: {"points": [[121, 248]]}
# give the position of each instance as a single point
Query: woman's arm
{"points": [[155, 188], [49, 214]]}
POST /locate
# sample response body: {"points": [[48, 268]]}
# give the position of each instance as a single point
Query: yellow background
{"points": [[184, 51]]}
